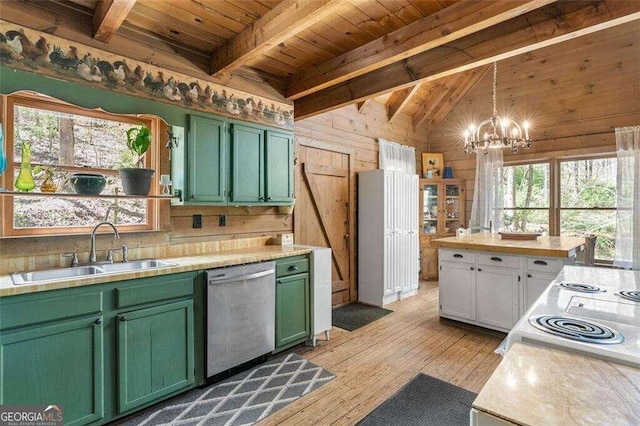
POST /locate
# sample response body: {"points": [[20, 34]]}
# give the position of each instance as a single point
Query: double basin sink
{"points": [[20, 278]]}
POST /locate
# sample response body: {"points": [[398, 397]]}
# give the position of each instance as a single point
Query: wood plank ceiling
{"points": [[416, 56]]}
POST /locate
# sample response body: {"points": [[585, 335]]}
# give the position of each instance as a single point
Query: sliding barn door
{"points": [[323, 212]]}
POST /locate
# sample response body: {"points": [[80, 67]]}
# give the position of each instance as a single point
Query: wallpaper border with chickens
{"points": [[49, 55]]}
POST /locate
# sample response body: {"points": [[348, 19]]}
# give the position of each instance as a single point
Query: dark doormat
{"points": [[356, 315], [425, 400], [243, 399]]}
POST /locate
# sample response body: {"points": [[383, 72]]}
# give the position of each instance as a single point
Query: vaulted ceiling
{"points": [[419, 57]]}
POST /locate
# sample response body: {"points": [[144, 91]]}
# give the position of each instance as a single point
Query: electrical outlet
{"points": [[197, 221], [222, 220]]}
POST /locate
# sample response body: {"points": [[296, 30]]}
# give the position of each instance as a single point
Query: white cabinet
{"points": [[321, 282], [497, 296], [458, 290], [388, 255], [492, 290], [538, 274]]}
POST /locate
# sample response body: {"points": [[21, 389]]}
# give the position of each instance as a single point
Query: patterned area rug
{"points": [[239, 400]]}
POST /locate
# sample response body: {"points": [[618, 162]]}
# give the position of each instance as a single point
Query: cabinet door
{"points": [[59, 364], [279, 167], [389, 263], [207, 159], [497, 296], [534, 285], [292, 309], [155, 353], [247, 186], [457, 290]]}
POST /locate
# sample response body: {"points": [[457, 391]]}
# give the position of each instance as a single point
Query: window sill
{"points": [[71, 195]]}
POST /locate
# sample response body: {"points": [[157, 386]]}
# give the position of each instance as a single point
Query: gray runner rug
{"points": [[425, 400], [243, 399]]}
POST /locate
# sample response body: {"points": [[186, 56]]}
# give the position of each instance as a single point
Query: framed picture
{"points": [[432, 165]]}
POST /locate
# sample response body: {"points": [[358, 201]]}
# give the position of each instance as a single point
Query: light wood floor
{"points": [[373, 362]]}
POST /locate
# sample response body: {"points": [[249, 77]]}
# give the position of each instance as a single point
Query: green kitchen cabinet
{"points": [[155, 353], [293, 312], [206, 161], [59, 363], [279, 167], [247, 165]]}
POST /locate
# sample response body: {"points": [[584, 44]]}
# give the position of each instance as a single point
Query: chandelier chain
{"points": [[495, 89]]}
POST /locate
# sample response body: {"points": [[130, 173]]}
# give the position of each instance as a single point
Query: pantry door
{"points": [[323, 212]]}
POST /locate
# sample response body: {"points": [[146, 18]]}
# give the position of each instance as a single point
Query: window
{"points": [[64, 140], [526, 198], [588, 201]]}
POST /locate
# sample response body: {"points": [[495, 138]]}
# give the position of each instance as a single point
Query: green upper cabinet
{"points": [[247, 165], [55, 364], [229, 162], [206, 161], [279, 167]]}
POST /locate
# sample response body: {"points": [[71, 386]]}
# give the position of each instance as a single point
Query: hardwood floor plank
{"points": [[375, 361]]}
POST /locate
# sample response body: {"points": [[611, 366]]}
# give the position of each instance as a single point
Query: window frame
{"points": [[39, 101]]}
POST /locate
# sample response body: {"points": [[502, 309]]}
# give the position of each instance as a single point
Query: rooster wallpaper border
{"points": [[45, 54]]}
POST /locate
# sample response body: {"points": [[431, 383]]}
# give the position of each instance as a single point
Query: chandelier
{"points": [[496, 132]]}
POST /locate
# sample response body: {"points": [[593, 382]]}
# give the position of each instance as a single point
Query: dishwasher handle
{"points": [[224, 279]]}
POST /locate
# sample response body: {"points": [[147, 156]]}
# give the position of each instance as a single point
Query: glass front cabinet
{"points": [[441, 213]]}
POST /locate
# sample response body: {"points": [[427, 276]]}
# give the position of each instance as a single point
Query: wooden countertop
{"points": [[183, 264], [543, 246], [536, 385]]}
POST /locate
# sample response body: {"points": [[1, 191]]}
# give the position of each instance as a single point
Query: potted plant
{"points": [[137, 181]]}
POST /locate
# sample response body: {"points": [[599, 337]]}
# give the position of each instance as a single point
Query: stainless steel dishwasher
{"points": [[240, 314]]}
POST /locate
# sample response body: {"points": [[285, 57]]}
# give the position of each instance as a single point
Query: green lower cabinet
{"points": [[57, 364], [292, 310], [155, 353]]}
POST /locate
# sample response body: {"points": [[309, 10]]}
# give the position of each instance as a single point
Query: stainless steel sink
{"points": [[135, 265], [20, 278], [54, 274]]}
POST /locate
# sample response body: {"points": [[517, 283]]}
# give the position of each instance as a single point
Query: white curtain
{"points": [[488, 199], [627, 253], [396, 157]]}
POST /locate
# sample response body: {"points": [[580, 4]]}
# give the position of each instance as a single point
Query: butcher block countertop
{"points": [[543, 246], [183, 264], [535, 385]]}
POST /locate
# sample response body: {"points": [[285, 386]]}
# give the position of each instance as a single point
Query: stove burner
{"points": [[583, 288], [576, 329], [633, 295]]}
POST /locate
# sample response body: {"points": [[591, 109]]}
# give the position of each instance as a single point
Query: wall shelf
{"points": [[70, 195]]}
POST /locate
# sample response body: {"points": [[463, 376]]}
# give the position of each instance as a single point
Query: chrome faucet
{"points": [[92, 256]]}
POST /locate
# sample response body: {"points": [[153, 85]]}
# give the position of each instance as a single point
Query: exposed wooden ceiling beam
{"points": [[437, 116], [456, 21], [279, 24], [360, 105], [108, 16], [538, 29], [399, 100]]}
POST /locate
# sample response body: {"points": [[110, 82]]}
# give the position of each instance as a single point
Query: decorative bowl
{"points": [[88, 183]]}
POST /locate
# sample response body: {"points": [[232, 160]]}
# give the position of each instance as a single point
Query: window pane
{"points": [[44, 212], [588, 183], [526, 186], [526, 221], [71, 140], [600, 222]]}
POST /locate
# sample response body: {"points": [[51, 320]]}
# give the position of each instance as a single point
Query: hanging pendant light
{"points": [[496, 132]]}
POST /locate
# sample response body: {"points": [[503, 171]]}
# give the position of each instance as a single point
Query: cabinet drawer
{"points": [[154, 289], [551, 266], [499, 260], [292, 266], [38, 309], [463, 256]]}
